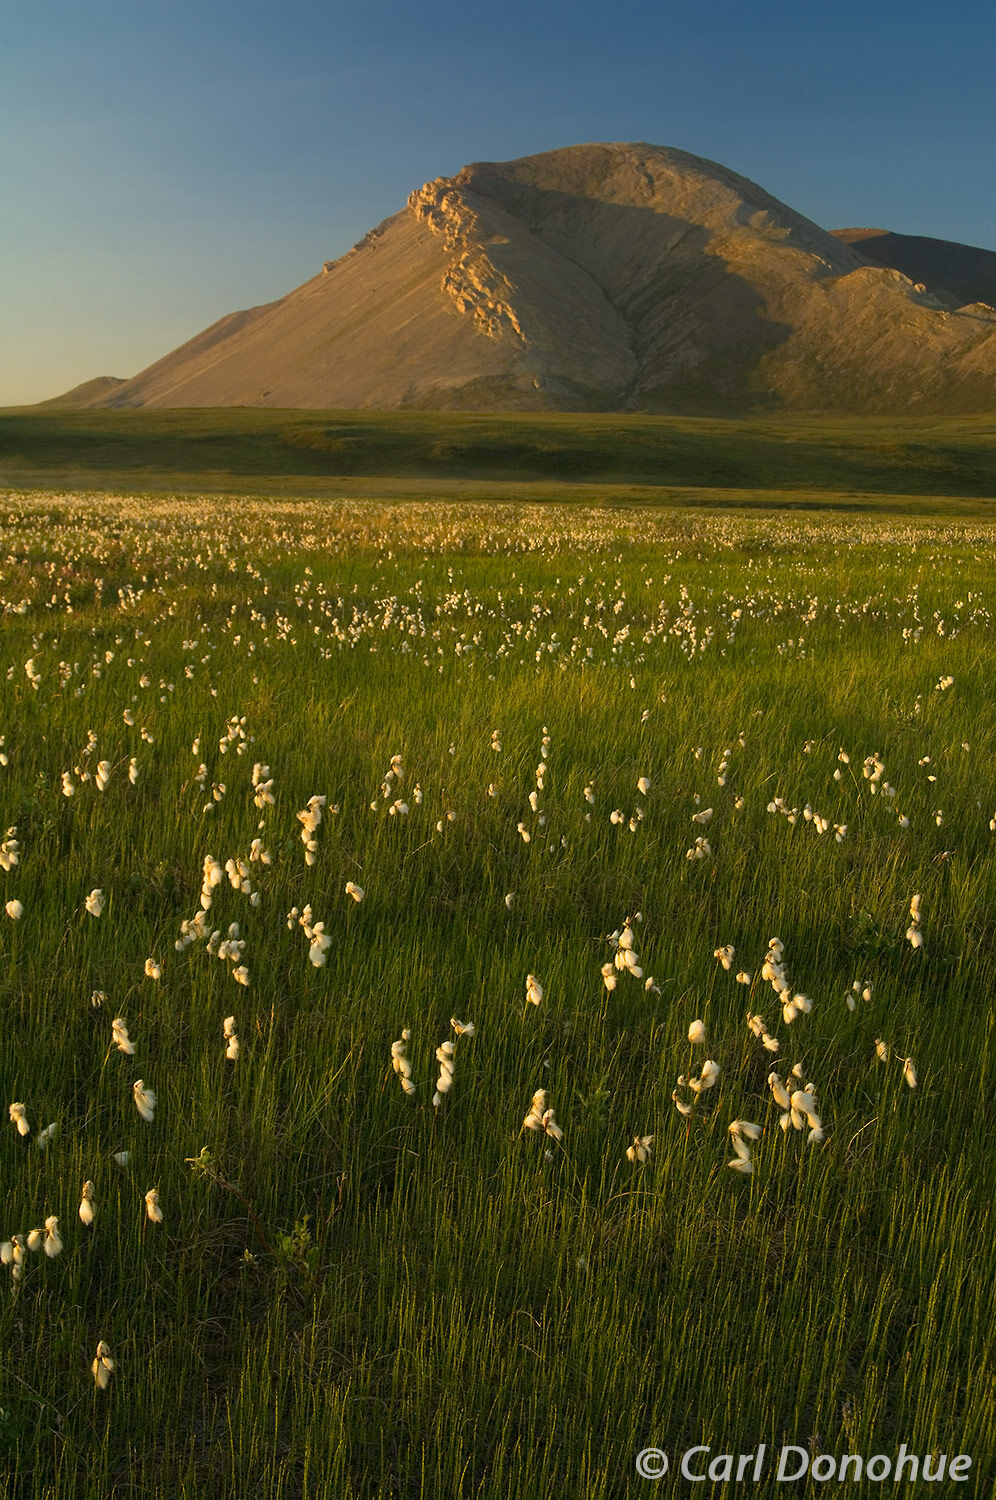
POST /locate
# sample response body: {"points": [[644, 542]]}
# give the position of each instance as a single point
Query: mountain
{"points": [[597, 277], [964, 272]]}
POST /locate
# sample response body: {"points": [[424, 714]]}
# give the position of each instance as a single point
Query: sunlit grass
{"points": [[355, 1292]]}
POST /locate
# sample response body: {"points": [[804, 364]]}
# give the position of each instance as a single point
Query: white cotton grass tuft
{"points": [[232, 1047], [534, 990], [19, 1117], [860, 987], [152, 1207], [446, 1058], [640, 1149], [52, 1244], [401, 1064], [310, 819], [706, 1080], [212, 876], [152, 969], [913, 934], [773, 970], [47, 1135], [796, 1005], [120, 1037], [697, 1033], [320, 944], [626, 959], [12, 1253], [87, 1210], [262, 783], [778, 1090], [103, 1367], [541, 1118], [10, 850], [145, 1100], [14, 910], [534, 1119], [354, 890], [707, 1077], [759, 1028], [259, 855], [95, 902], [742, 1134], [799, 1107], [741, 1161]]}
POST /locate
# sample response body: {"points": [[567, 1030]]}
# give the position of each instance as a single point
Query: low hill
{"points": [[96, 392]]}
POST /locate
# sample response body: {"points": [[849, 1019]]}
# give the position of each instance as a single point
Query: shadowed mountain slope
{"points": [[964, 272]]}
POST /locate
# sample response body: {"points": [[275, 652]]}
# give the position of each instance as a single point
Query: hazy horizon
{"points": [[170, 168]]}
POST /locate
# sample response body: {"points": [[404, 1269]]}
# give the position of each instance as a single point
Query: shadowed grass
{"points": [[930, 466]]}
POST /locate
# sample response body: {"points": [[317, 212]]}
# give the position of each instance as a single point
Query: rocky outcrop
{"points": [[477, 289]]}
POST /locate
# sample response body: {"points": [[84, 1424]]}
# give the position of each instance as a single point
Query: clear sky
{"points": [[165, 162]]}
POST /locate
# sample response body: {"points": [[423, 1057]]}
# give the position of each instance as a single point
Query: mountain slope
{"points": [[600, 277]]}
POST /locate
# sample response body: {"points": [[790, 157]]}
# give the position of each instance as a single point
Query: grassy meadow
{"points": [[321, 777]]}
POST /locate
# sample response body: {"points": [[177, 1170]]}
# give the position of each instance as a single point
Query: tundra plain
{"points": [[573, 775]]}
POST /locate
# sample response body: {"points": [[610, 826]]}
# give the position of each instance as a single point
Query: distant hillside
{"points": [[594, 278], [94, 392], [965, 271]]}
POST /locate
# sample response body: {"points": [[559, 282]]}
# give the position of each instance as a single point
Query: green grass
{"points": [[783, 460], [364, 1296]]}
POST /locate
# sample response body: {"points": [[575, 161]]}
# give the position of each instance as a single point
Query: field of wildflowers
{"points": [[487, 990]]}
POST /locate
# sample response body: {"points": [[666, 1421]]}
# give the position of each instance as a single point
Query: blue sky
{"points": [[166, 164]]}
